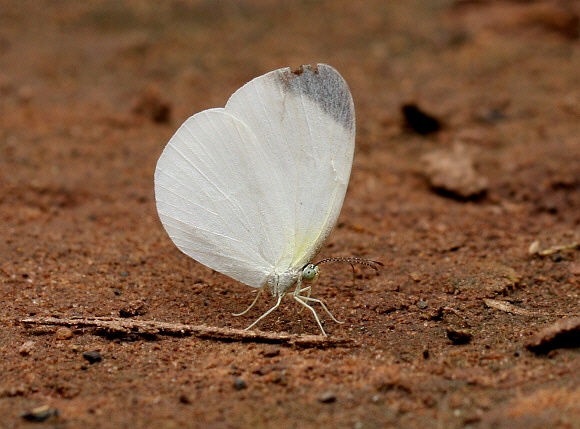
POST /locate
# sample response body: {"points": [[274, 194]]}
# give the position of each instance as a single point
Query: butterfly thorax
{"points": [[279, 283]]}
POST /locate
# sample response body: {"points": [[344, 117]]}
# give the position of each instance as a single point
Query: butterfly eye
{"points": [[310, 272]]}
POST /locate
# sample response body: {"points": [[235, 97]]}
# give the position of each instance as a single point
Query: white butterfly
{"points": [[253, 190]]}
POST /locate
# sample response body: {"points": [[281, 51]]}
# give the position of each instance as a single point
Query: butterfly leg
{"points": [[299, 290], [307, 298], [266, 313], [299, 299], [251, 305], [307, 288]]}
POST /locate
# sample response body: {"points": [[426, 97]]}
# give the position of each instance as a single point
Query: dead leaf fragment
{"points": [[565, 333], [453, 173], [510, 308]]}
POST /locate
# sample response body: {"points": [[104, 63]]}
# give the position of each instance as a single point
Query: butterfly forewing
{"points": [[306, 119]]}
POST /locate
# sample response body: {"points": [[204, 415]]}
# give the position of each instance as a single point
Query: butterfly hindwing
{"points": [[213, 200]]}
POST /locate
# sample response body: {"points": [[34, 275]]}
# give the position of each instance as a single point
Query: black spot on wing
{"points": [[325, 86]]}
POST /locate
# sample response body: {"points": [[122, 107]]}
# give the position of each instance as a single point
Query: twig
{"points": [[535, 249], [151, 327], [510, 308]]}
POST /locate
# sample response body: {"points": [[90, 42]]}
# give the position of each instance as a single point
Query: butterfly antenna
{"points": [[375, 265]]}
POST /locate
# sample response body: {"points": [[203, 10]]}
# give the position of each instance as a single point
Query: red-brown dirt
{"points": [[92, 91]]}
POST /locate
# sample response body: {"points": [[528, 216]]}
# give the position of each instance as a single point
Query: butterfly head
{"points": [[310, 273]]}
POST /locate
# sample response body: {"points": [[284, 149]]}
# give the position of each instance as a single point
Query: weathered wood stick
{"points": [[152, 327]]}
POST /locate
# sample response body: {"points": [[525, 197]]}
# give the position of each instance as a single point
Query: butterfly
{"points": [[253, 189]]}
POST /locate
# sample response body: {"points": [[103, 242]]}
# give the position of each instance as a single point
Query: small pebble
{"points": [[184, 399], [534, 248], [264, 369], [279, 377], [40, 414], [240, 384], [327, 397], [491, 116], [93, 356], [273, 352], [459, 336], [416, 277], [134, 308], [26, 348], [63, 333], [422, 305]]}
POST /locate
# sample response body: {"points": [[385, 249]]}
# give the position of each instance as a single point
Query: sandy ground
{"points": [[92, 91]]}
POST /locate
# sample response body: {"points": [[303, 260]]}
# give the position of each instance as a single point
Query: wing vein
{"points": [[266, 115]]}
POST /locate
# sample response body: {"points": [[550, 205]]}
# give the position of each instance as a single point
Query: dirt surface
{"points": [[92, 91]]}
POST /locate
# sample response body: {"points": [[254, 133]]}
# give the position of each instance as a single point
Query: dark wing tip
{"points": [[323, 85]]}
